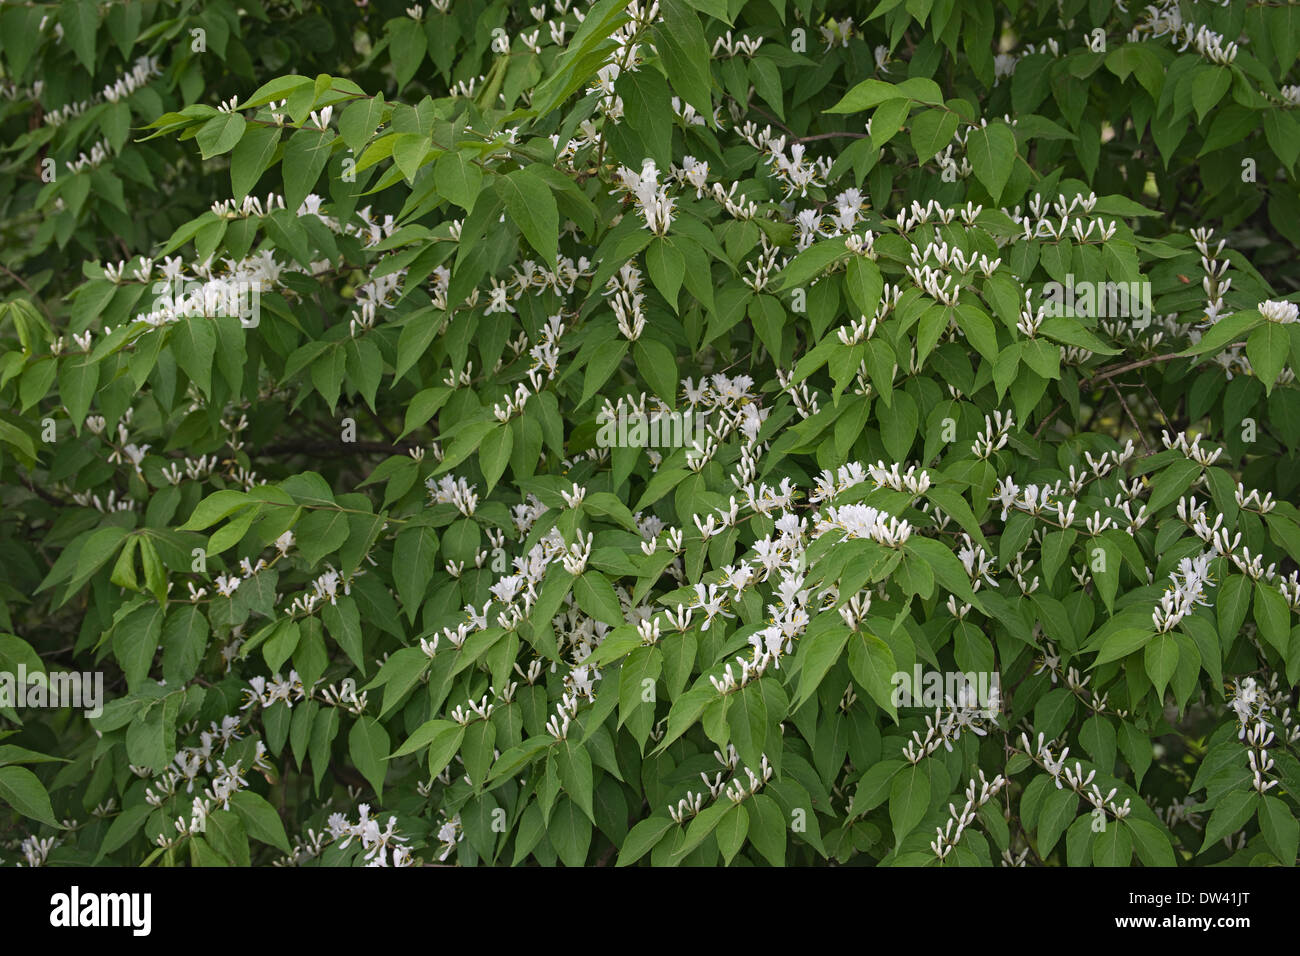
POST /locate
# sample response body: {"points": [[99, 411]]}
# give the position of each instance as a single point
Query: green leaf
{"points": [[767, 828], [368, 747], [1114, 845], [279, 647], [1208, 86], [872, 664], [443, 747], [124, 827], [992, 152], [864, 284], [135, 640], [458, 177], [1280, 829], [194, 341], [643, 838], [531, 206], [888, 118], [78, 379], [747, 722], [1231, 606], [80, 21], [423, 407], [1057, 814], [1171, 483], [819, 649], [220, 134], [423, 736], [1234, 809], [1152, 843], [408, 42], [667, 267], [932, 131], [413, 566], [260, 819], [357, 123], [574, 765], [21, 789], [584, 56], [909, 799], [595, 595], [305, 156], [810, 263], [731, 832], [658, 365], [1121, 643], [1267, 348], [1161, 658], [251, 158], [681, 42], [875, 786], [494, 453], [570, 833], [1225, 331], [1273, 615], [871, 93]]}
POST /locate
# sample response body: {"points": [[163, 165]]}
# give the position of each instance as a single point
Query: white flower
{"points": [[1283, 312]]}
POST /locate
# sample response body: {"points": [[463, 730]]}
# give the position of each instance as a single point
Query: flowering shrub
{"points": [[676, 432]]}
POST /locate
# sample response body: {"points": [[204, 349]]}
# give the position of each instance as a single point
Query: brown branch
{"points": [[1128, 411], [764, 113], [1050, 415], [844, 135], [42, 493], [36, 300], [1108, 373]]}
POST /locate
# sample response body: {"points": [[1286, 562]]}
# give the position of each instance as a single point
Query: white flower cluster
{"points": [[1038, 222], [377, 843], [142, 71], [947, 839], [795, 171], [946, 725], [189, 764], [624, 57], [449, 834], [267, 692], [649, 195], [743, 45], [624, 290], [1283, 312], [453, 491], [909, 218], [1074, 777], [1187, 592], [862, 521], [98, 153], [692, 172]]}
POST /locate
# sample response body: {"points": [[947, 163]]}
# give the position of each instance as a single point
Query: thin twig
{"points": [[1105, 374], [1128, 411], [1050, 415], [842, 135], [35, 298]]}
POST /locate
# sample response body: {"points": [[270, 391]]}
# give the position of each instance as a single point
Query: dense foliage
{"points": [[339, 343]]}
